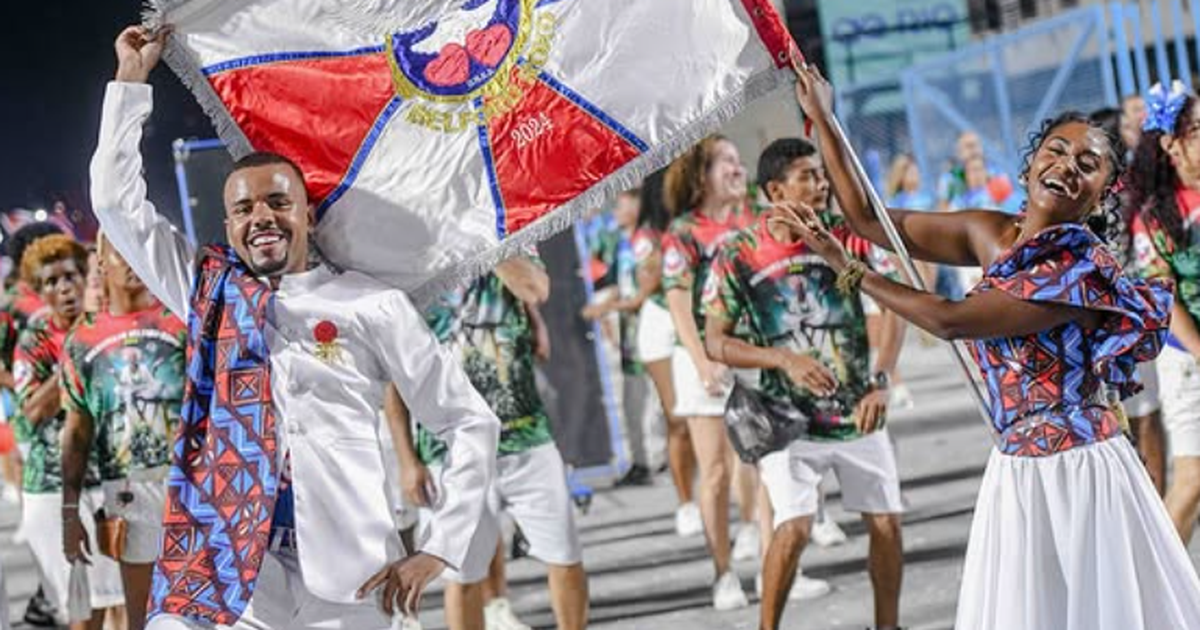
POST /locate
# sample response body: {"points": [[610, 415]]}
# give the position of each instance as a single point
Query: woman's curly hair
{"points": [[1151, 180], [1104, 223]]}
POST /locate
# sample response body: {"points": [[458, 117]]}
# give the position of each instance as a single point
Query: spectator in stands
{"points": [[904, 190], [1133, 115]]}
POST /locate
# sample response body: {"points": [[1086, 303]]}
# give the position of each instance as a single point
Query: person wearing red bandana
{"points": [[277, 505]]}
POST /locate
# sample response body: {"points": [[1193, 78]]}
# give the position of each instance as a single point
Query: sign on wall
{"points": [[873, 40]]}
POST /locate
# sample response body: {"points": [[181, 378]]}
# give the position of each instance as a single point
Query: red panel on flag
{"points": [[315, 111], [772, 32], [547, 151]]}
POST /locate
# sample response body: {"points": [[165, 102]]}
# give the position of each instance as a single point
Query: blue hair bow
{"points": [[1163, 107]]}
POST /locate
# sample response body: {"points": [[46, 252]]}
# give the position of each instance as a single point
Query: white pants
{"points": [[1179, 378], [143, 516], [41, 520], [282, 602], [532, 488], [692, 400], [656, 333], [865, 468]]}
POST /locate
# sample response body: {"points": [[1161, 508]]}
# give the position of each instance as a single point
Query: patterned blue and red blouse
{"points": [[1047, 390]]}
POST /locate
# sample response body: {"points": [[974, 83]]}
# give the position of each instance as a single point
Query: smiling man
{"points": [[277, 511], [776, 306]]}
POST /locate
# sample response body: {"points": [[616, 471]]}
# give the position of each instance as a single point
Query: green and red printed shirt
{"points": [[783, 295], [38, 355], [127, 373], [491, 331], [646, 244], [689, 248], [24, 305], [1158, 255]]}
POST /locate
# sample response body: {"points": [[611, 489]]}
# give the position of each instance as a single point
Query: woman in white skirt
{"points": [[1069, 533], [1164, 180]]}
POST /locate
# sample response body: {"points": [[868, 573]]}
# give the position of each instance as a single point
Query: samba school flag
{"points": [[438, 136]]}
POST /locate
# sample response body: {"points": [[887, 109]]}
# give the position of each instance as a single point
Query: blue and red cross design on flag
{"points": [[431, 139]]}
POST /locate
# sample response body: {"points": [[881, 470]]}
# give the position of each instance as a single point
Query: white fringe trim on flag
{"points": [[460, 273], [176, 56], [627, 177]]}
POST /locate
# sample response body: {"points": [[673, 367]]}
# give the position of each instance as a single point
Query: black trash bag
{"points": [[759, 426]]}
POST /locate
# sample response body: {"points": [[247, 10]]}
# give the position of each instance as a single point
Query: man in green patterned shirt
{"points": [[490, 326], [122, 378], [773, 305], [55, 267]]}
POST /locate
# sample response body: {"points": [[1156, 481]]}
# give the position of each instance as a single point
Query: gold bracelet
{"points": [[851, 277]]}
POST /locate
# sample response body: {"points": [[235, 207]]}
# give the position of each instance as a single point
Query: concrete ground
{"points": [[644, 577]]}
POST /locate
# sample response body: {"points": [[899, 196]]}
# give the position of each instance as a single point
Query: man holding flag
{"points": [[277, 515]]}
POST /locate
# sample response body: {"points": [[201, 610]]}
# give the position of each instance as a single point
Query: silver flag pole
{"points": [[957, 349]]}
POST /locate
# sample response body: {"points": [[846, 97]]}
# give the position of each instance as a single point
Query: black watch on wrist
{"points": [[880, 380]]}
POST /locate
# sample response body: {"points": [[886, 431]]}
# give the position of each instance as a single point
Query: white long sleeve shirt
{"points": [[327, 410]]}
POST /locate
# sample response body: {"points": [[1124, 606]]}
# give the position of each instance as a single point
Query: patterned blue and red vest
{"points": [[223, 481]]}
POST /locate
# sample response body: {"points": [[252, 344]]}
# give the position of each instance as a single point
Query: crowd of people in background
{"points": [[705, 288]]}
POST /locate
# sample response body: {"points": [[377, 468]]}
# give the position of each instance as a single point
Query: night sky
{"points": [[58, 56]]}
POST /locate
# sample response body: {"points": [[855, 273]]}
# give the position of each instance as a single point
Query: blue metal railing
{"points": [[1003, 87]]}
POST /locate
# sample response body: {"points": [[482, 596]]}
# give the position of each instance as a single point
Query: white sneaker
{"points": [[826, 533], [728, 594], [410, 623], [746, 545], [803, 587], [10, 495], [498, 615], [902, 398], [687, 521]]}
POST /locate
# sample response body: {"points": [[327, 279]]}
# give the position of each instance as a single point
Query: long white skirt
{"points": [[1075, 541]]}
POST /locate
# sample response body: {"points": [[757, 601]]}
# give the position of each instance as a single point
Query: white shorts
{"points": [[281, 600], [865, 468], [1179, 379], [41, 520], [691, 399], [143, 516], [655, 333], [1148, 400], [532, 488]]}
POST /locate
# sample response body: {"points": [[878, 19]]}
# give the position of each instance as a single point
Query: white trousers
{"points": [[282, 602], [41, 520]]}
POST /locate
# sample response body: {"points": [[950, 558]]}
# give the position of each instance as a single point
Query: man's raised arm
{"points": [[157, 252]]}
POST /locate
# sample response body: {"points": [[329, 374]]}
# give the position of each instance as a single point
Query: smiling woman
{"points": [[1057, 331]]}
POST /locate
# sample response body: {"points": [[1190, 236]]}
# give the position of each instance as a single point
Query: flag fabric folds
{"points": [[439, 136]]}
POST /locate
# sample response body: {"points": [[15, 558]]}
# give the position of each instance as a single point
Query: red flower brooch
{"points": [[326, 335]]}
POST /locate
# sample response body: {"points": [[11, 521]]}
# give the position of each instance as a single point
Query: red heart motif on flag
{"points": [[451, 67], [488, 46]]}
